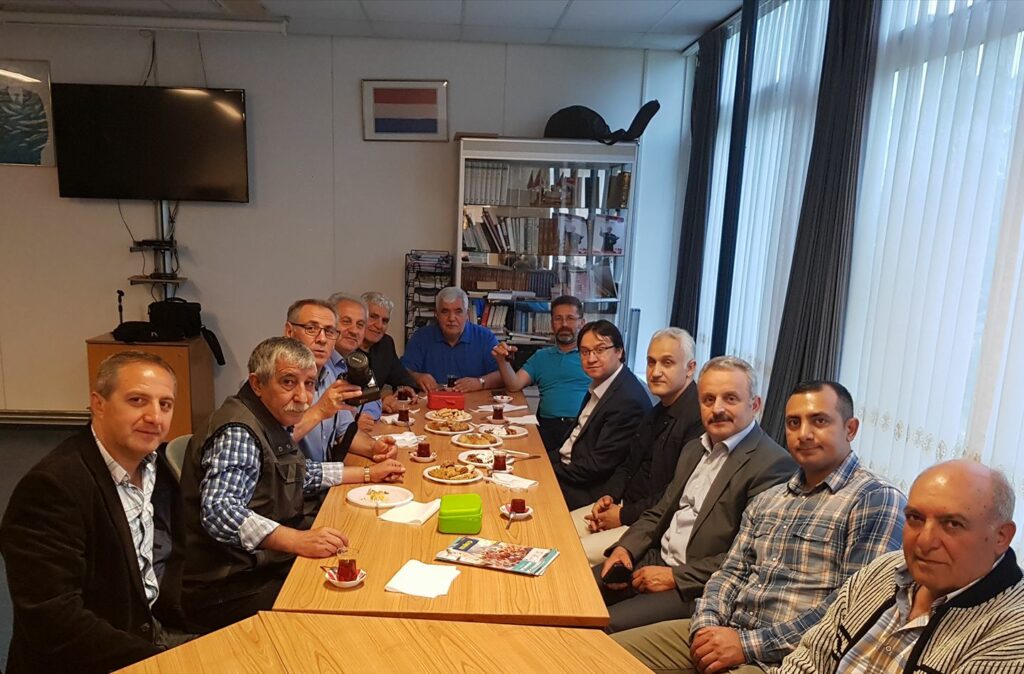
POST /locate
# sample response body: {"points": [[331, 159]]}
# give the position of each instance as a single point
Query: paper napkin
{"points": [[412, 513], [525, 419], [512, 481], [422, 580], [407, 440], [393, 418]]}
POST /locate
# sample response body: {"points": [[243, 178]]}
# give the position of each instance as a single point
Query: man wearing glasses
{"points": [[612, 409], [324, 433]]}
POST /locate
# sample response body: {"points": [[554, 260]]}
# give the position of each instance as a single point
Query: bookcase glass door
{"points": [[539, 219]]}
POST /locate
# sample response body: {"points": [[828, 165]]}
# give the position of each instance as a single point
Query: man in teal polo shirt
{"points": [[452, 347], [556, 370]]}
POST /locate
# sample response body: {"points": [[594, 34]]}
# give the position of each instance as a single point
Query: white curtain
{"points": [[713, 233], [788, 52], [933, 225]]}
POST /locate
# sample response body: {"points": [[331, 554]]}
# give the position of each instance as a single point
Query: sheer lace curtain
{"points": [[713, 235], [788, 54], [935, 288]]}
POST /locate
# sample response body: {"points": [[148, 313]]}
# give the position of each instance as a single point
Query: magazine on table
{"points": [[475, 551]]}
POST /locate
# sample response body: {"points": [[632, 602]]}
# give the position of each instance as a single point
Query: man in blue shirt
{"points": [[352, 315], [452, 347], [555, 369]]}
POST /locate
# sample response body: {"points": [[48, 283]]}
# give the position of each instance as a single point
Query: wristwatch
{"points": [[481, 380], [366, 474]]}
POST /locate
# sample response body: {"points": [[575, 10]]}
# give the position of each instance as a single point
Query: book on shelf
{"points": [[572, 234], [509, 295], [498, 555], [609, 235], [618, 190]]}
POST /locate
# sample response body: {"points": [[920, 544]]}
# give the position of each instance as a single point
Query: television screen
{"points": [[127, 142]]}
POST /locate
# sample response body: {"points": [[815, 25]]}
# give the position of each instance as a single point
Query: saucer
{"points": [[423, 459], [329, 574], [516, 516]]}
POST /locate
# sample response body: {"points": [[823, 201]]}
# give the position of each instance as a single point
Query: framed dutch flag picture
{"points": [[405, 110]]}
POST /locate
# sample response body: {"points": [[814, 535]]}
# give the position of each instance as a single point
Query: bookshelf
{"points": [[543, 218], [426, 273]]}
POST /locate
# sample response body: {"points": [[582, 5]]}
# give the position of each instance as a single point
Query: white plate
{"points": [[428, 429], [462, 415], [459, 442], [411, 444], [330, 575], [515, 516], [504, 432], [477, 475], [422, 459], [396, 496], [464, 458]]}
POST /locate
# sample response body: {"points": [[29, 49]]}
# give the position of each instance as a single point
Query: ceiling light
{"points": [[185, 23]]}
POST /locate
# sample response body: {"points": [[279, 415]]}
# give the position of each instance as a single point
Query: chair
{"points": [[176, 453]]}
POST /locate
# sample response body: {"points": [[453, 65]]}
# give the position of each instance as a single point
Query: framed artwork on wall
{"points": [[26, 127], [405, 110]]}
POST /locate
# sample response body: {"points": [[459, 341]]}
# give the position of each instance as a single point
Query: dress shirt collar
{"points": [[602, 388], [836, 480], [337, 365], [906, 587], [117, 471], [677, 408], [730, 442]]}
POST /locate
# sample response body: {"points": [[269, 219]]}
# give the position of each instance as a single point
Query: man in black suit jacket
{"points": [[675, 546], [387, 366], [87, 574], [599, 441], [639, 482]]}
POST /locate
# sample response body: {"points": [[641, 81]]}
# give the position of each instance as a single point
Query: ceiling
{"points": [[640, 24]]}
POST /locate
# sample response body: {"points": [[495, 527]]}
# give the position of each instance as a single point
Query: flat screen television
{"points": [[131, 142]]}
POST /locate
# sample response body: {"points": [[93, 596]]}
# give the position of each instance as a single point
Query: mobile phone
{"points": [[617, 574]]}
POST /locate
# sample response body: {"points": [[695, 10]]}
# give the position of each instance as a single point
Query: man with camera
{"points": [[326, 431]]}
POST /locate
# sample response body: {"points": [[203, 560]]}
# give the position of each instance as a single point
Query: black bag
{"points": [[578, 121], [136, 331], [175, 318]]}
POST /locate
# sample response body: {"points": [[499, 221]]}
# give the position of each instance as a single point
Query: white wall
{"points": [[328, 211]]}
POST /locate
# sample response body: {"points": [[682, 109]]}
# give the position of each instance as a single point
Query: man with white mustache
{"points": [[556, 370], [243, 484]]}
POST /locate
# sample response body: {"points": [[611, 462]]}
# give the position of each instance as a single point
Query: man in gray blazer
{"points": [[675, 546]]}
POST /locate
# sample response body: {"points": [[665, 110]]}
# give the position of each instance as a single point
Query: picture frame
{"points": [[405, 110], [26, 118]]}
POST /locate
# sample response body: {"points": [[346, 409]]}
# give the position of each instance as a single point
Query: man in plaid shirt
{"points": [[798, 542]]}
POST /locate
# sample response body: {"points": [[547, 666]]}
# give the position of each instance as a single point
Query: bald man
{"points": [[951, 601]]}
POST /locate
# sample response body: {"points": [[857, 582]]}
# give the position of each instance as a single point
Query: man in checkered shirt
{"points": [[798, 542]]}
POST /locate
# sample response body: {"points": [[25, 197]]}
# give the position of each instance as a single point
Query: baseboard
{"points": [[43, 417]]}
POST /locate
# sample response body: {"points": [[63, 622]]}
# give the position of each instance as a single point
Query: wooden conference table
{"points": [[273, 642], [566, 595]]}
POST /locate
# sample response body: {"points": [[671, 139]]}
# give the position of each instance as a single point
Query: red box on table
{"points": [[437, 400]]}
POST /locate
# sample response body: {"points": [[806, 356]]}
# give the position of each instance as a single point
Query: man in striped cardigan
{"points": [[952, 601]]}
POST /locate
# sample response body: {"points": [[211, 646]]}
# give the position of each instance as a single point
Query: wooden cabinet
{"points": [[192, 362]]}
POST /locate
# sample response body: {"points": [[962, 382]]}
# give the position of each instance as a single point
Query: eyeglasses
{"points": [[599, 351], [313, 330]]}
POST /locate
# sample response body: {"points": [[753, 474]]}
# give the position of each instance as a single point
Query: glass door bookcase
{"points": [[543, 218]]}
